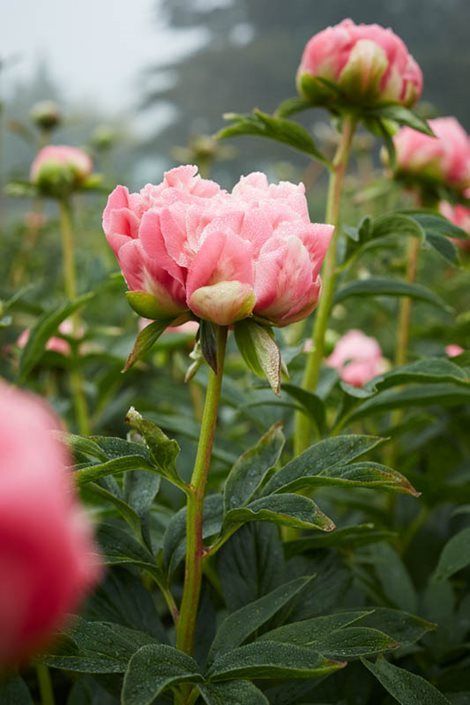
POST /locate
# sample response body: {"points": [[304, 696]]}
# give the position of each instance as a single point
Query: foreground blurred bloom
{"points": [[187, 247], [59, 170], [367, 65], [357, 358], [47, 557], [442, 160]]}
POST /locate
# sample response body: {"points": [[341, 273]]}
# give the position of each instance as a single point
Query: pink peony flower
{"points": [[357, 358], [56, 344], [458, 215], [444, 158], [453, 350], [192, 247], [369, 64], [48, 560]]}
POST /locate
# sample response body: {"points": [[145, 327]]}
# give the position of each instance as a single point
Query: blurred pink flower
{"points": [[57, 168], [48, 560], [223, 256], [458, 215], [357, 358], [444, 158], [56, 344], [369, 64], [453, 350]]}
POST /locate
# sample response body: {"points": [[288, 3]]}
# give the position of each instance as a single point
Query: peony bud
{"points": [[57, 171], [361, 64], [357, 358], [440, 160], [48, 561], [188, 247], [46, 115]]}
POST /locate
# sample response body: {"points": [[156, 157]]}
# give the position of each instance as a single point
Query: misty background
{"points": [[157, 73]]}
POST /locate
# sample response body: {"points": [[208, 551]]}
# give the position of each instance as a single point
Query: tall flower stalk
{"points": [[186, 625], [332, 216]]}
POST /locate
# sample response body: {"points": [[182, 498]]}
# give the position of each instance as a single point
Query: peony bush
{"points": [[270, 507]]}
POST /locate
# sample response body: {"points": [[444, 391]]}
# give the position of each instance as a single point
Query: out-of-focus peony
{"points": [[59, 170], [357, 358], [369, 65], [46, 115], [443, 159], [189, 246], [458, 215], [48, 560], [55, 343], [453, 350]]}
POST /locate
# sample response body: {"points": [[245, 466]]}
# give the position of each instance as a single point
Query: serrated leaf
{"points": [[375, 286], [232, 693], [326, 454], [164, 451], [239, 625], [406, 687], [271, 660], [145, 340], [45, 329], [251, 468], [293, 510], [260, 351], [455, 556], [153, 669]]}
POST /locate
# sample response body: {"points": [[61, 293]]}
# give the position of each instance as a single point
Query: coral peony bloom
{"points": [[47, 557], [357, 358], [459, 215], [367, 63], [453, 350], [443, 159], [56, 344], [188, 246], [59, 170]]}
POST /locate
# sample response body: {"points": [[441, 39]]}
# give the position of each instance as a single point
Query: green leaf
{"points": [[271, 660], [329, 453], [118, 466], [396, 224], [375, 286], [140, 490], [348, 536], [120, 548], [403, 116], [406, 687], [43, 330], [455, 555], [164, 451], [208, 340], [239, 625], [311, 404], [394, 578], [91, 490], [14, 691], [310, 632], [153, 669], [260, 351], [232, 693], [291, 106], [251, 468], [145, 341], [401, 626], [292, 510], [174, 540], [354, 642], [433, 369], [279, 129], [414, 395], [97, 647]]}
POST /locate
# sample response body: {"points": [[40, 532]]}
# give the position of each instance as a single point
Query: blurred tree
{"points": [[253, 48]]}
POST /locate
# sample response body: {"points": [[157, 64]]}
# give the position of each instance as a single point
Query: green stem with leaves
{"points": [[186, 626], [70, 287], [404, 317], [303, 426]]}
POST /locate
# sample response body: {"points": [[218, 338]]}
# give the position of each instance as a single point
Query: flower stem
{"points": [[46, 691], [70, 288], [404, 317], [195, 504], [303, 426]]}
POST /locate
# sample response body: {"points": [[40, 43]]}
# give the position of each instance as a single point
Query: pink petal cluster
{"points": [[444, 158], [369, 63], [56, 344], [195, 248], [458, 215], [48, 560], [59, 157], [453, 350], [357, 358]]}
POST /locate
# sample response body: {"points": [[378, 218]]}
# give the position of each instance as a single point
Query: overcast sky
{"points": [[95, 48]]}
